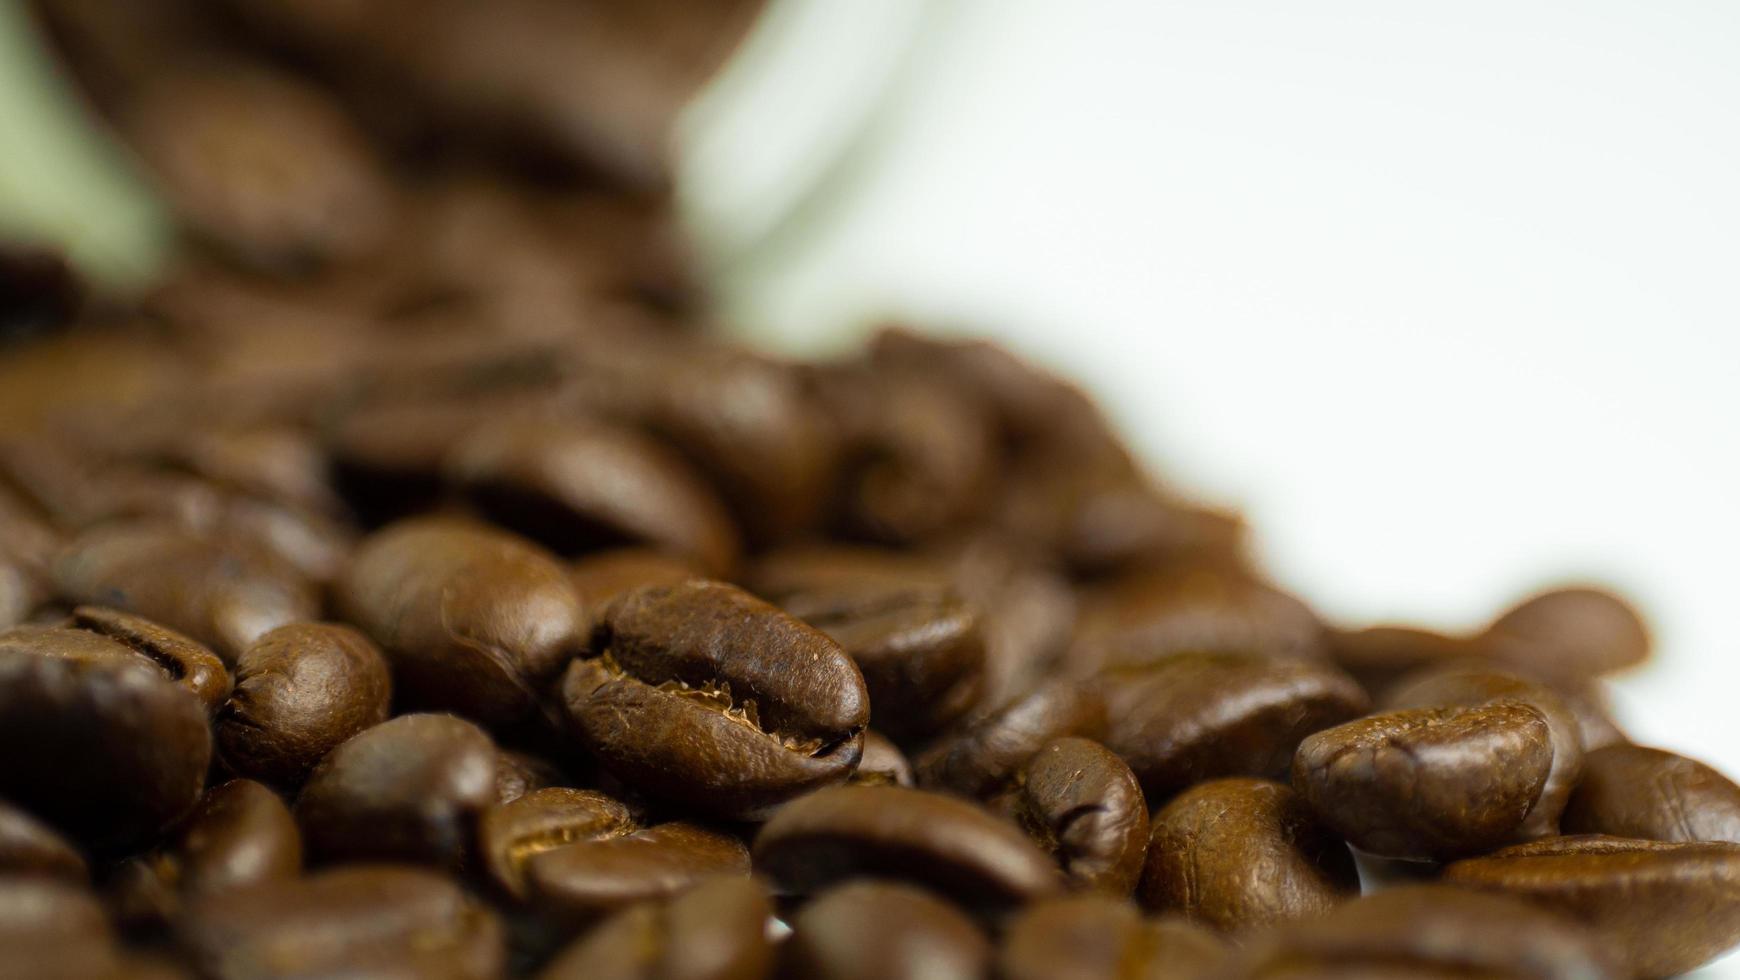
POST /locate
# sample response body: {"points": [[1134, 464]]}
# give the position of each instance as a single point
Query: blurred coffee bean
{"points": [[943, 843], [1242, 854], [1573, 632], [1472, 685], [1664, 908], [472, 619], [52, 928], [883, 764], [1633, 791], [602, 576], [1588, 702], [1381, 656], [1080, 803], [717, 930], [118, 752], [701, 694], [871, 930], [219, 593], [97, 634], [301, 691], [1095, 937], [387, 457], [979, 758], [30, 847], [1428, 783], [577, 487], [409, 789], [1190, 717], [519, 773], [363, 920]]}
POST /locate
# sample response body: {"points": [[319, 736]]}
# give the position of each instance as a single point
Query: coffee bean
{"points": [[513, 832], [883, 763], [52, 928], [717, 930], [1471, 685], [883, 931], [96, 634], [473, 620], [795, 571], [937, 841], [1191, 717], [601, 577], [1633, 791], [120, 751], [700, 694], [387, 457], [301, 691], [1595, 721], [1432, 932], [1095, 937], [1381, 656], [1572, 633], [1241, 854], [519, 773], [29, 847], [366, 920], [579, 486], [1081, 804], [1428, 783], [409, 789], [221, 594], [980, 758], [1155, 614], [1663, 908]]}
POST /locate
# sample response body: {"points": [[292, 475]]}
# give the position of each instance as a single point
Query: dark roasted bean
{"points": [[701, 694], [52, 928], [1081, 804], [717, 930], [301, 690], [1094, 937], [946, 844], [517, 773], [1380, 656], [1573, 633], [883, 763], [1153, 615], [872, 930], [96, 634], [1664, 908], [981, 758], [1242, 854], [409, 789], [1428, 783], [601, 577], [1632, 791], [28, 847]]}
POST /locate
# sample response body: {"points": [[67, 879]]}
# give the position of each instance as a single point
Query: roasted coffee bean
{"points": [[29, 847], [883, 763], [921, 650], [1471, 685], [1155, 614], [118, 751], [1241, 854], [1430, 932], [1095, 937], [1595, 721], [409, 789], [703, 695], [366, 920], [937, 841], [717, 930], [1573, 633], [240, 835], [518, 773], [576, 487], [52, 928], [1081, 804], [1191, 717], [301, 691], [1380, 656], [980, 758], [1663, 908], [1428, 783], [601, 577], [575, 853], [883, 931], [797, 571], [473, 620], [1632, 791], [96, 634], [387, 457], [222, 594]]}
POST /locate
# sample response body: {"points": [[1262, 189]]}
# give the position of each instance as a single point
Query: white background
{"points": [[1445, 295]]}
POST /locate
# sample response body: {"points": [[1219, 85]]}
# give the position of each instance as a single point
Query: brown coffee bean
{"points": [[795, 571], [409, 789], [365, 920], [1428, 783], [1632, 791], [41, 918], [1431, 932], [1155, 614], [96, 634], [981, 758], [601, 577], [1572, 632], [518, 773], [717, 930], [387, 456], [1474, 684], [883, 764], [883, 931], [121, 752], [512, 833], [301, 691], [1095, 937], [473, 620], [1190, 717], [1595, 721], [1380, 656], [937, 841], [221, 594], [1243, 854], [30, 847], [1081, 804], [701, 694], [1664, 908]]}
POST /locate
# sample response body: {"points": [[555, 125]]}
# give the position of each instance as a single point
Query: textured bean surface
{"points": [[1633, 791], [1080, 802]]}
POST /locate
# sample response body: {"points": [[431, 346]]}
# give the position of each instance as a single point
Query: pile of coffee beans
{"points": [[411, 585]]}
